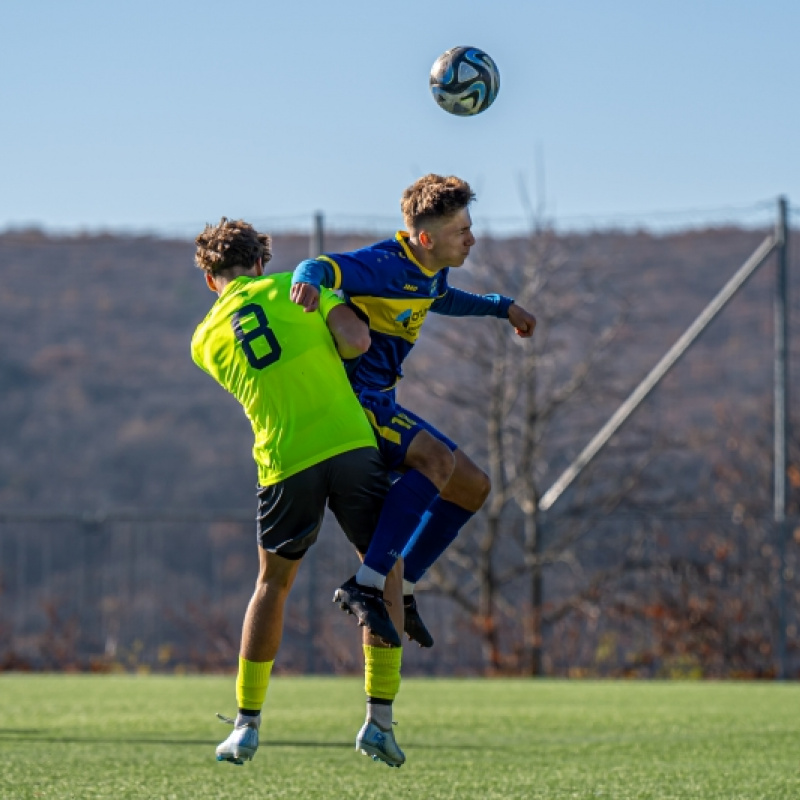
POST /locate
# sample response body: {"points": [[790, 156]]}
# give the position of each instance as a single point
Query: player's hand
{"points": [[523, 322], [306, 295]]}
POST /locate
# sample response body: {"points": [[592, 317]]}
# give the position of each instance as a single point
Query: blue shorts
{"points": [[395, 426]]}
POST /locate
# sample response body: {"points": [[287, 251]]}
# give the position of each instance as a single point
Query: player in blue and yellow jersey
{"points": [[394, 284], [313, 446]]}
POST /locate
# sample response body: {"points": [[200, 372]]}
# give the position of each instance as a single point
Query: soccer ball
{"points": [[464, 81]]}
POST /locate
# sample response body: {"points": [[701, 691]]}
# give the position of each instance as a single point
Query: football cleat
{"points": [[413, 625], [369, 607], [379, 745], [242, 744]]}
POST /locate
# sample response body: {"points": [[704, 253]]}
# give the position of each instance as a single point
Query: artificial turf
{"points": [[116, 737]]}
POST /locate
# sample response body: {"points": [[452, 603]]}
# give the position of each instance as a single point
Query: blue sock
{"points": [[433, 536], [406, 502]]}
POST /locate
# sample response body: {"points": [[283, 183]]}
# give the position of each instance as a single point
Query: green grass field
{"points": [[154, 737]]}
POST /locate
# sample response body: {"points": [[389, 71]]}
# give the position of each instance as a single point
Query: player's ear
{"points": [[425, 240], [259, 267], [210, 283]]}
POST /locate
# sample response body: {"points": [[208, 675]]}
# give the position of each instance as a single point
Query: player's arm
{"points": [[198, 351], [354, 273], [308, 277], [458, 303], [349, 331], [523, 321]]}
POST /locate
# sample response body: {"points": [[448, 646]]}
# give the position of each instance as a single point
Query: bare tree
{"points": [[517, 389]]}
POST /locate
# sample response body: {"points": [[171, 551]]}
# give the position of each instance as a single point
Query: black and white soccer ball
{"points": [[464, 81]]}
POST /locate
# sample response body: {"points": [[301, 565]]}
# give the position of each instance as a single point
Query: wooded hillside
{"points": [[104, 410]]}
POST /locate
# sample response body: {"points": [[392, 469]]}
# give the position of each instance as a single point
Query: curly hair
{"points": [[231, 245], [433, 197]]}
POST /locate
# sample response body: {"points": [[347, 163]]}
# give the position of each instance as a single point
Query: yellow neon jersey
{"points": [[281, 364]]}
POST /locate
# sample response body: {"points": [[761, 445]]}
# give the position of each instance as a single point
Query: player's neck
{"points": [[423, 256], [221, 280]]}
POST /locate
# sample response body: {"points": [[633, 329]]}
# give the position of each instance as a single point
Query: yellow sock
{"points": [[252, 683], [382, 671]]}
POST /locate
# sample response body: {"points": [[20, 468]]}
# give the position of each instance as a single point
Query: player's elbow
{"points": [[363, 341], [349, 331], [355, 344]]}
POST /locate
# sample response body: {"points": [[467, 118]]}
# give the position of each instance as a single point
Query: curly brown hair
{"points": [[434, 197], [233, 244]]}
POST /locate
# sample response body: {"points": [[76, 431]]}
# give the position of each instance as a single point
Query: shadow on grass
{"points": [[33, 735]]}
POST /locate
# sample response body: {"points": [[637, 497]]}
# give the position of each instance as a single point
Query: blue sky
{"points": [[160, 116]]}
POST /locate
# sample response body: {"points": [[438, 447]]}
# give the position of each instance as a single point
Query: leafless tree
{"points": [[516, 389]]}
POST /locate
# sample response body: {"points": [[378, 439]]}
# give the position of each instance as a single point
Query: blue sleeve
{"points": [[314, 271], [458, 303], [356, 273]]}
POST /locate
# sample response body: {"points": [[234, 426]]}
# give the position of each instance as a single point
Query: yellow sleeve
{"points": [[328, 300]]}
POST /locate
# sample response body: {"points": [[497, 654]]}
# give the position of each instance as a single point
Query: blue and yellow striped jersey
{"points": [[395, 293]]}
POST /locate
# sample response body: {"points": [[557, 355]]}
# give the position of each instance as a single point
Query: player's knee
{"points": [[469, 488], [441, 465], [274, 591], [435, 461], [482, 485], [277, 580]]}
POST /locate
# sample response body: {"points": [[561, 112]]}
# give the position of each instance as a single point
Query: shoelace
{"points": [[227, 720]]}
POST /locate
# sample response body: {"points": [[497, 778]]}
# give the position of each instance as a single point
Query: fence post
{"points": [[780, 423], [316, 245]]}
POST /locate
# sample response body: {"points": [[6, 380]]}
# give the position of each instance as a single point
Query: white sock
{"points": [[408, 587], [244, 719], [366, 576], [380, 714]]}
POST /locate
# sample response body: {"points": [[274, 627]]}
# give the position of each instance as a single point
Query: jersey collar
{"points": [[403, 237], [238, 281]]}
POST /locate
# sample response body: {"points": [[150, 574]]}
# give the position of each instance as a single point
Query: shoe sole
{"points": [[427, 643], [378, 755], [416, 630], [345, 606], [238, 759]]}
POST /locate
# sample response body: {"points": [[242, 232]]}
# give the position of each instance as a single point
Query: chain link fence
{"points": [[675, 597]]}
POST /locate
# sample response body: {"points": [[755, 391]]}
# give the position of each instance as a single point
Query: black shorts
{"points": [[352, 484]]}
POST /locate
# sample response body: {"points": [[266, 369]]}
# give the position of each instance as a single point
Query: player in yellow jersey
{"points": [[313, 445]]}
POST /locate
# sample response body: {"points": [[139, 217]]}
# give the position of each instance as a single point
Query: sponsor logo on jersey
{"points": [[411, 320], [409, 287]]}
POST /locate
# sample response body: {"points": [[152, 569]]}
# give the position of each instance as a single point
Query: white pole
{"points": [[657, 373]]}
